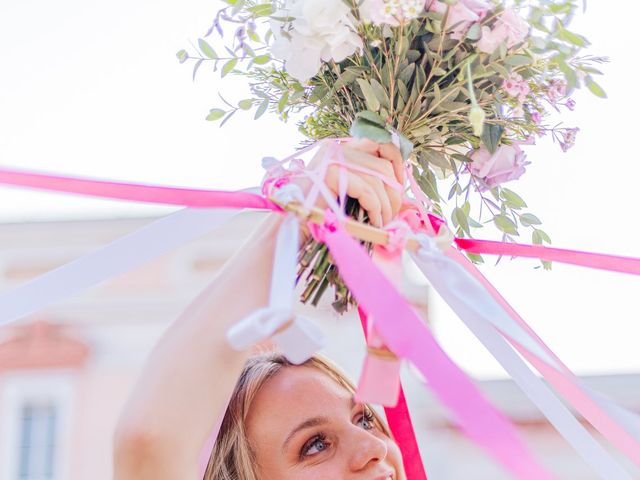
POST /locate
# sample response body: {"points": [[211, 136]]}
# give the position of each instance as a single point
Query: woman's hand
{"points": [[380, 200]]}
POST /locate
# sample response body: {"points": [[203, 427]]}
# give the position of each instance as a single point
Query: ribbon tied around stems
{"points": [[296, 336]]}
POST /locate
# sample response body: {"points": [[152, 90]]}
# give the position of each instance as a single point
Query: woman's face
{"points": [[303, 425]]}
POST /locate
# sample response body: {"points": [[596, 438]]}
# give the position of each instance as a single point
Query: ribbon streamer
{"points": [[401, 426], [442, 273], [297, 337], [185, 197], [409, 338]]}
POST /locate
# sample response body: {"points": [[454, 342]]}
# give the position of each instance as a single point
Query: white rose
{"points": [[322, 30]]}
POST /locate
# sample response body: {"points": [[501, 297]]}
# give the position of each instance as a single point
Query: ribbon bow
{"points": [[297, 337]]}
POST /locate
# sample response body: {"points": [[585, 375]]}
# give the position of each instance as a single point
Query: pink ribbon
{"points": [[598, 261], [401, 426], [187, 197], [409, 338]]}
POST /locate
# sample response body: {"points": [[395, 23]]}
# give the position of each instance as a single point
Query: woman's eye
{"points": [[316, 445], [366, 421]]}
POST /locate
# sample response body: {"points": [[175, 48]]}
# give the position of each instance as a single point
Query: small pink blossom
{"points": [[570, 104], [557, 90], [509, 28], [461, 15], [536, 117], [505, 164], [569, 138], [517, 87]]}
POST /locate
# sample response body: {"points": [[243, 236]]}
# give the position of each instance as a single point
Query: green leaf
{"points": [[491, 135], [196, 67], [407, 73], [262, 9], [427, 183], [528, 219], [406, 147], [475, 32], [245, 104], [435, 158], [261, 59], [372, 117], [512, 199], [596, 89], [215, 114], [505, 224], [206, 49], [539, 236], [369, 95], [380, 93], [518, 60], [229, 66], [283, 102], [573, 38], [477, 259], [458, 216], [182, 55], [262, 109], [362, 128]]}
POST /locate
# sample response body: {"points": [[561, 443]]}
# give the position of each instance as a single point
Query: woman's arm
{"points": [[188, 378]]}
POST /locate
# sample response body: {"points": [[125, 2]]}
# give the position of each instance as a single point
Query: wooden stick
{"points": [[359, 230]]}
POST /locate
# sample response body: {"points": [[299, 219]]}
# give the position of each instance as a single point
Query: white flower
{"points": [[390, 12], [321, 30]]}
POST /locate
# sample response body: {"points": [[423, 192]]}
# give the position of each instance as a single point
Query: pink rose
{"points": [[509, 28], [461, 15], [505, 164]]}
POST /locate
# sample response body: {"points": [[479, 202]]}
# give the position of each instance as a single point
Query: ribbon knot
{"points": [[397, 231], [319, 230], [296, 336]]}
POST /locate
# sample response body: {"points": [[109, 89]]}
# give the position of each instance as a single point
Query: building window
{"points": [[37, 442]]}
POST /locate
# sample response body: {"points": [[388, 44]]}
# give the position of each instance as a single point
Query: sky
{"points": [[93, 88]]}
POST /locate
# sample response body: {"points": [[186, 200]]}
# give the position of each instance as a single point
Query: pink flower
{"points": [[569, 138], [461, 15], [536, 117], [517, 87], [509, 28], [505, 164], [570, 104], [557, 90]]}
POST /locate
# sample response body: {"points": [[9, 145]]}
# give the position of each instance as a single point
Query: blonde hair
{"points": [[232, 457]]}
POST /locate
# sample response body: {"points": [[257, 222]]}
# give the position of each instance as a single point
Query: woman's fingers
{"points": [[390, 152], [382, 194], [360, 190]]}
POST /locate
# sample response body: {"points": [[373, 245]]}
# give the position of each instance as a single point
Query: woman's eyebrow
{"points": [[309, 423]]}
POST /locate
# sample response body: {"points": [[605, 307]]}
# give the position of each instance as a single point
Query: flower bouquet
{"points": [[460, 86]]}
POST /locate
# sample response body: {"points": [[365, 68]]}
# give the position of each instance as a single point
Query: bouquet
{"points": [[460, 85]]}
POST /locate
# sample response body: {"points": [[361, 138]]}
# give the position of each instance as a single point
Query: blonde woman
{"points": [[282, 422]]}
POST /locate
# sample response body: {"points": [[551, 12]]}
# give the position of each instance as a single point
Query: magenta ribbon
{"points": [[187, 197], [598, 261], [405, 334], [401, 426]]}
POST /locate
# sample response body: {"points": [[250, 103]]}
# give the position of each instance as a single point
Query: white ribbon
{"points": [[297, 337], [461, 292], [111, 260], [467, 297]]}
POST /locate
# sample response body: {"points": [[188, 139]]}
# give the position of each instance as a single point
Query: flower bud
{"points": [[476, 119]]}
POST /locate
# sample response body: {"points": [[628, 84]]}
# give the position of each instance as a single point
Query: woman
{"points": [[283, 421]]}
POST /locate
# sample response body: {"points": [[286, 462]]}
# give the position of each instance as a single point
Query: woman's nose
{"points": [[365, 449]]}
